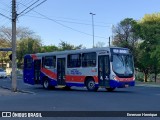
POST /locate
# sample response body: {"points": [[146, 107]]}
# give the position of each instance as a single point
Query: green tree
{"points": [[6, 38], [155, 57], [3, 54], [143, 61], [124, 33], [66, 46], [27, 46], [149, 32], [49, 48]]}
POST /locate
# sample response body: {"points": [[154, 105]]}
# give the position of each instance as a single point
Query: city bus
{"points": [[107, 67]]}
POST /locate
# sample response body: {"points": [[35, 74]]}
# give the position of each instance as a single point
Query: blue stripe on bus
{"points": [[114, 84], [52, 82], [78, 84], [75, 84]]}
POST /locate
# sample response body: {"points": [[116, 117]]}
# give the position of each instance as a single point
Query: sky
{"points": [[70, 20]]}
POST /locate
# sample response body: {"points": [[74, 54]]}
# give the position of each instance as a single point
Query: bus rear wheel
{"points": [[67, 88], [90, 84], [110, 89], [46, 84]]}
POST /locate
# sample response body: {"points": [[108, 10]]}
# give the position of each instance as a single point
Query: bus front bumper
{"points": [[117, 84]]}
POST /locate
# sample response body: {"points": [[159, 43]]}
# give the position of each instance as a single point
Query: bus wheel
{"points": [[110, 89], [46, 84], [90, 84], [67, 88]]}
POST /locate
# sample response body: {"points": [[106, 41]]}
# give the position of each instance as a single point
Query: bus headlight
{"points": [[114, 77], [133, 78]]}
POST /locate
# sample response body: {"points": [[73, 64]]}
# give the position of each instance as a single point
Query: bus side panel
{"points": [[75, 80], [79, 81], [28, 71], [50, 75], [77, 76]]}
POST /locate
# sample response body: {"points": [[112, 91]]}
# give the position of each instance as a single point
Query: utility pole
{"points": [[112, 31], [14, 64], [93, 27], [109, 42]]}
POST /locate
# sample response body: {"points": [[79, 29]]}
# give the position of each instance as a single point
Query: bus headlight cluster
{"points": [[114, 77]]}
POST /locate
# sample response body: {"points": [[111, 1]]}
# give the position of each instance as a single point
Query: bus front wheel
{"points": [[90, 84]]}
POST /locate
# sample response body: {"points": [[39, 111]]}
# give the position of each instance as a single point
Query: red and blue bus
{"points": [[108, 67]]}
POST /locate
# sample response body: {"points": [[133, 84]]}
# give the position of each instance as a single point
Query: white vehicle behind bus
{"points": [[2, 73]]}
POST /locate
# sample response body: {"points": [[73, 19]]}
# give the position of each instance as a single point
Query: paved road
{"points": [[35, 98]]}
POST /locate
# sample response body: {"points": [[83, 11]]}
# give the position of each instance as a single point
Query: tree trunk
{"points": [[2, 64], [145, 77], [155, 78]]}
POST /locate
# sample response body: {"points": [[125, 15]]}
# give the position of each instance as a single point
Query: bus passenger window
{"points": [[74, 60], [89, 59], [49, 62]]}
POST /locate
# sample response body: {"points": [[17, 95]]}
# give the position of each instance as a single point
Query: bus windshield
{"points": [[123, 65]]}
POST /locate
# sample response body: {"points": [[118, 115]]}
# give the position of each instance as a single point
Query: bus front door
{"points": [[61, 71], [37, 68], [103, 70]]}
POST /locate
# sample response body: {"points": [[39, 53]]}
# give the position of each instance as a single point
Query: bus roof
{"points": [[75, 51]]}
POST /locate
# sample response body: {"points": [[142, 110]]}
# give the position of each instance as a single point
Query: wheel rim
{"points": [[46, 84], [91, 84]]}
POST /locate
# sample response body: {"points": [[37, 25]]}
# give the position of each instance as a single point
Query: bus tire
{"points": [[110, 89], [67, 88], [90, 84], [46, 84]]}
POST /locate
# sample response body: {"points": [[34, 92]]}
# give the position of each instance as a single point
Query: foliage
{"points": [[49, 48], [155, 57], [27, 46], [65, 46], [143, 62], [124, 33], [6, 38], [21, 32], [149, 32]]}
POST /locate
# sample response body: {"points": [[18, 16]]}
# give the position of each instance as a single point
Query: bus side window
{"points": [[89, 59], [74, 60], [49, 62]]}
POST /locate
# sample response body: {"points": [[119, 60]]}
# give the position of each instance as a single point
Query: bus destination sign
{"points": [[120, 51]]}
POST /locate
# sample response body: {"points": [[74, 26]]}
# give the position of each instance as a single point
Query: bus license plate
{"points": [[126, 85]]}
